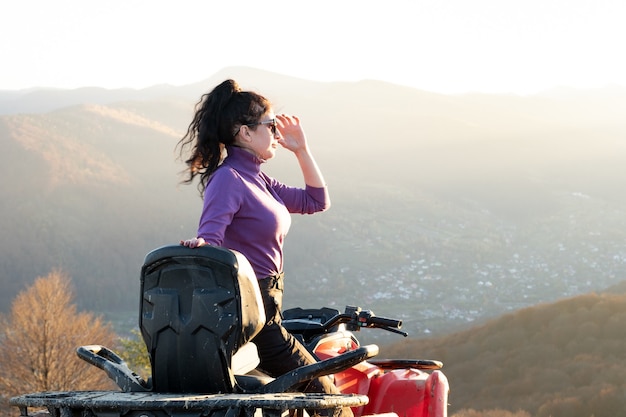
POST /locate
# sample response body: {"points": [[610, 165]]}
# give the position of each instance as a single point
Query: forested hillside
{"points": [[446, 210], [566, 359]]}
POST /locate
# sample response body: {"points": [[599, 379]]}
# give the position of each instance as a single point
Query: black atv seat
{"points": [[197, 307]]}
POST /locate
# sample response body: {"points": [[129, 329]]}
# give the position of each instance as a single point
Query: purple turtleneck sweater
{"points": [[248, 211]]}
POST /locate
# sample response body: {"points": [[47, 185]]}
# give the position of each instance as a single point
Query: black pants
{"points": [[279, 351]]}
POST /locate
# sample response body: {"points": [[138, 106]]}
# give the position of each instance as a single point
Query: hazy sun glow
{"points": [[447, 46]]}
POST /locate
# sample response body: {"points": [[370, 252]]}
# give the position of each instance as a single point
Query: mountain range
{"points": [[447, 210], [560, 359]]}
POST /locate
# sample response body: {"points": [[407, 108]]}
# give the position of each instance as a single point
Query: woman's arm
{"points": [[222, 199]]}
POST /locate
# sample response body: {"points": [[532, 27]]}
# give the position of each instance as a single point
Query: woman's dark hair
{"points": [[218, 117]]}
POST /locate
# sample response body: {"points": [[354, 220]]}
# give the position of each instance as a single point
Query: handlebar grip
{"points": [[381, 321]]}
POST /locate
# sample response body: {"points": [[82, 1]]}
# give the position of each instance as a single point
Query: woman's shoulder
{"points": [[228, 170], [225, 175]]}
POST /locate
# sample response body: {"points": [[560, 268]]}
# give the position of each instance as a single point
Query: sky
{"points": [[445, 46]]}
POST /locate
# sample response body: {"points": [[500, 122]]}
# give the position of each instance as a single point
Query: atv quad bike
{"points": [[199, 312]]}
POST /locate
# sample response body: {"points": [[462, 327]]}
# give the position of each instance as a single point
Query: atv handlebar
{"points": [[383, 322], [355, 319]]}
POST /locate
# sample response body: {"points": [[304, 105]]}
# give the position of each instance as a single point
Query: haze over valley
{"points": [[447, 209]]}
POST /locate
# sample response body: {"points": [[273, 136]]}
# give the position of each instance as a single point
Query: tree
{"points": [[135, 354], [39, 341]]}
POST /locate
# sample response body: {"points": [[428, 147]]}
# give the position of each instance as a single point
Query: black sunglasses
{"points": [[271, 123]]}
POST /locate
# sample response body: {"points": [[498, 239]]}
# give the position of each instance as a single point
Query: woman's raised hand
{"points": [[292, 135]]}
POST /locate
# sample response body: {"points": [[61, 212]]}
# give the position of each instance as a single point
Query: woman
{"points": [[231, 135]]}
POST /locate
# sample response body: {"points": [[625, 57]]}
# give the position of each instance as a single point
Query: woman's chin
{"points": [[270, 154]]}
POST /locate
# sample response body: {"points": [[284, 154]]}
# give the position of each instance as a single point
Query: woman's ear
{"points": [[244, 133]]}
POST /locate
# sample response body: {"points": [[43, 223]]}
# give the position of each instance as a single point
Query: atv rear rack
{"points": [[137, 404]]}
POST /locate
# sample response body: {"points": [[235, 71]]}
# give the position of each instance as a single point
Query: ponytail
{"points": [[218, 116]]}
